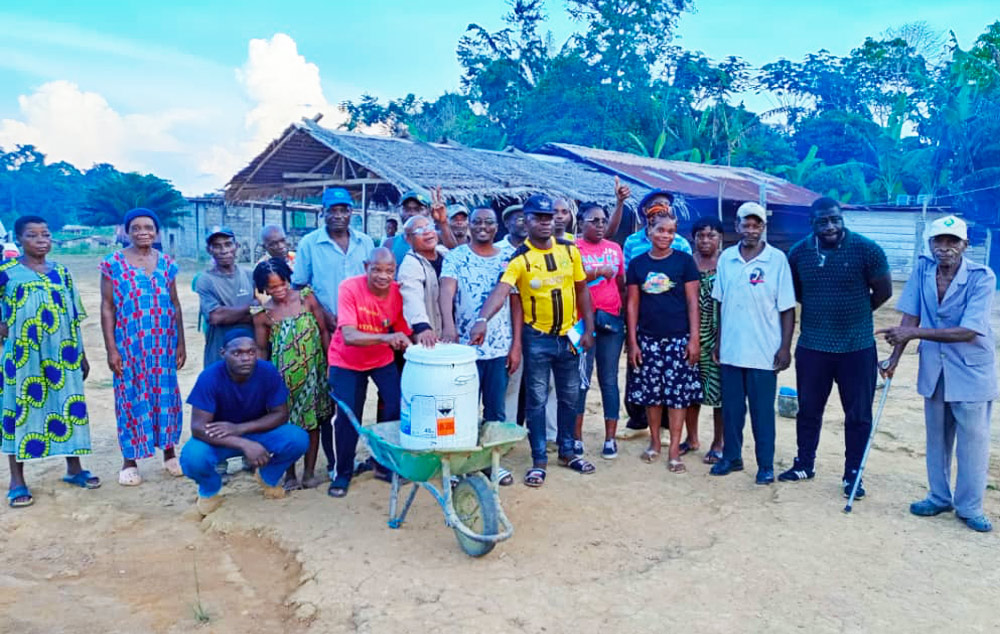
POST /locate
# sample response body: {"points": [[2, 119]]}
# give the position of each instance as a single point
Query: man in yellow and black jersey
{"points": [[552, 288]]}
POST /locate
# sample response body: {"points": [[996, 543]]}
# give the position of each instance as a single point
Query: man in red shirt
{"points": [[370, 325]]}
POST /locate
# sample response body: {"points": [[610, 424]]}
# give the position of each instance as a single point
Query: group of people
{"points": [[543, 306]]}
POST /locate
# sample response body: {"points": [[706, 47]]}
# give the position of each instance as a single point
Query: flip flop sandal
{"points": [[505, 477], [712, 457], [687, 448], [20, 493], [676, 466], [338, 488], [534, 477], [292, 484], [129, 477], [84, 479], [581, 466], [649, 456]]}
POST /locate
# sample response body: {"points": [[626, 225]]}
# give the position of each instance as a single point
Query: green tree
{"points": [[109, 200]]}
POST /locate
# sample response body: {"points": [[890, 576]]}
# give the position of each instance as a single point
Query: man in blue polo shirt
{"points": [[332, 253], [754, 285], [239, 406], [840, 278]]}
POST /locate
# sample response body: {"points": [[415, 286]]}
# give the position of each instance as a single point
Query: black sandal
{"points": [[535, 477], [580, 465]]}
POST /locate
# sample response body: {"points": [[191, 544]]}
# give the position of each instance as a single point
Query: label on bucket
{"points": [[445, 417]]}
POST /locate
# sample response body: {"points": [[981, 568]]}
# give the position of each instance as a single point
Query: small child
{"points": [[663, 336]]}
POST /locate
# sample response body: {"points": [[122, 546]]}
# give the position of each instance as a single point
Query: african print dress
{"points": [[44, 412], [708, 308], [297, 352], [147, 400]]}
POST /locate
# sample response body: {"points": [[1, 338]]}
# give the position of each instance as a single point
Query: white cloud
{"points": [[69, 124], [284, 87], [198, 147]]}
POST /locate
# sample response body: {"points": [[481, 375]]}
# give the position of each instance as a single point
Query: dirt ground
{"points": [[631, 548]]}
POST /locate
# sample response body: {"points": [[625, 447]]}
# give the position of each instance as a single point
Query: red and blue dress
{"points": [[147, 399]]}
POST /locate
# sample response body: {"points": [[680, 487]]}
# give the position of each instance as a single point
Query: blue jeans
{"points": [[543, 355], [286, 444], [756, 387], [855, 374], [351, 387], [607, 351], [493, 387]]}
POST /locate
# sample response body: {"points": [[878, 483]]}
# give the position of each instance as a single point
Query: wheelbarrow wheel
{"points": [[476, 506]]}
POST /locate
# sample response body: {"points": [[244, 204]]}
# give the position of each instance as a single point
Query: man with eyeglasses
{"points": [[416, 203], [225, 292], [840, 278]]}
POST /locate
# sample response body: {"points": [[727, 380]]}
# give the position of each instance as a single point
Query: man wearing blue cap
{"points": [[947, 305], [332, 253], [552, 289], [225, 292]]}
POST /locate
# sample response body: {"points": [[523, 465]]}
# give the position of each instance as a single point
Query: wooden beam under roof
{"points": [[333, 182]]}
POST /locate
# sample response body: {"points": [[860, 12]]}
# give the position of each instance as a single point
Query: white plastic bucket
{"points": [[440, 398]]}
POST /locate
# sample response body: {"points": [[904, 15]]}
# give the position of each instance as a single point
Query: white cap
{"points": [[949, 226], [751, 209]]}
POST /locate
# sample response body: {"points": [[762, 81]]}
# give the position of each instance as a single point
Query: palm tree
{"points": [[109, 200]]}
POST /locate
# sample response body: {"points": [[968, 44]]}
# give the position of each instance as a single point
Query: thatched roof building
{"points": [[308, 158]]}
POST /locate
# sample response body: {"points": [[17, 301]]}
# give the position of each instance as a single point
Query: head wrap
{"points": [[141, 212]]}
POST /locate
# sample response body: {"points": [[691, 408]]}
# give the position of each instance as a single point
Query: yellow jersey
{"points": [[546, 284]]}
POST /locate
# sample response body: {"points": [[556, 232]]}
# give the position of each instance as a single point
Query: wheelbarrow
{"points": [[471, 504]]}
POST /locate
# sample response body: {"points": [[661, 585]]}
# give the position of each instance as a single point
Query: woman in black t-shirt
{"points": [[663, 341]]}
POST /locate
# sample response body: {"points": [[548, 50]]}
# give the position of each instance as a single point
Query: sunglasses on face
{"points": [[419, 231]]}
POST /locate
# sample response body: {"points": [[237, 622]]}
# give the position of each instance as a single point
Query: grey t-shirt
{"points": [[218, 290]]}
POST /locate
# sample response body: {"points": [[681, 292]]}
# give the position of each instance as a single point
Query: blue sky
{"points": [[178, 89]]}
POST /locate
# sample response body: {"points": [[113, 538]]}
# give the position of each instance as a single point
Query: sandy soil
{"points": [[631, 548]]}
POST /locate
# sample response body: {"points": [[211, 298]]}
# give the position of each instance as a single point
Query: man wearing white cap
{"points": [[946, 304], [754, 285], [841, 278]]}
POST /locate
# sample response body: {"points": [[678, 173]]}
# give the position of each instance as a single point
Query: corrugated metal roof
{"points": [[470, 174], [695, 180]]}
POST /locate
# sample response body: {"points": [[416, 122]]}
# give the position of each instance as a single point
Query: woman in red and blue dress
{"points": [[144, 336]]}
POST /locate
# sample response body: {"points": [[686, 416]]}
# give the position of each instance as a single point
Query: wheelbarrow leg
{"points": [[495, 469], [394, 520]]}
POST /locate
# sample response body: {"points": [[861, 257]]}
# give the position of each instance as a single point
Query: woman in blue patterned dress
{"points": [[144, 337], [44, 412]]}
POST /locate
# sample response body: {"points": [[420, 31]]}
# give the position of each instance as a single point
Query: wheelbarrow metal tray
{"points": [[425, 465]]}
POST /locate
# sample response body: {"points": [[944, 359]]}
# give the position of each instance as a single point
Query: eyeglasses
{"points": [[419, 231], [484, 223]]}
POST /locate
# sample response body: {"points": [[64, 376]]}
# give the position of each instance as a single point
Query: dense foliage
{"points": [[64, 195], [906, 113]]}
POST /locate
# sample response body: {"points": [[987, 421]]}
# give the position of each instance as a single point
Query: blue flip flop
{"points": [[19, 492], [84, 479]]}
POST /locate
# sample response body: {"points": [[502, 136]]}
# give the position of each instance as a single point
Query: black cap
{"points": [[538, 204]]}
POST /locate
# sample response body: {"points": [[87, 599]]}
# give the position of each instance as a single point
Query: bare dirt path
{"points": [[631, 548]]}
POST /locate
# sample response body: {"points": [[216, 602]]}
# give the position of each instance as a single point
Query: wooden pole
{"points": [[364, 207]]}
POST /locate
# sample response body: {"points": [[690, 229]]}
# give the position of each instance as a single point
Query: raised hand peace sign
{"points": [[439, 211]]}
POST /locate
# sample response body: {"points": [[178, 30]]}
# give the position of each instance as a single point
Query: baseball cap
{"points": [[751, 209], [653, 194], [413, 194], [454, 210], [538, 204], [337, 196], [510, 209], [949, 226], [218, 230]]}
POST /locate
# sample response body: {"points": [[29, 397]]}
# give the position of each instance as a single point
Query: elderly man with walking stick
{"points": [[946, 304]]}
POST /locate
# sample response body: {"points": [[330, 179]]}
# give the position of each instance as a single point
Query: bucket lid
{"points": [[441, 354], [787, 391]]}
